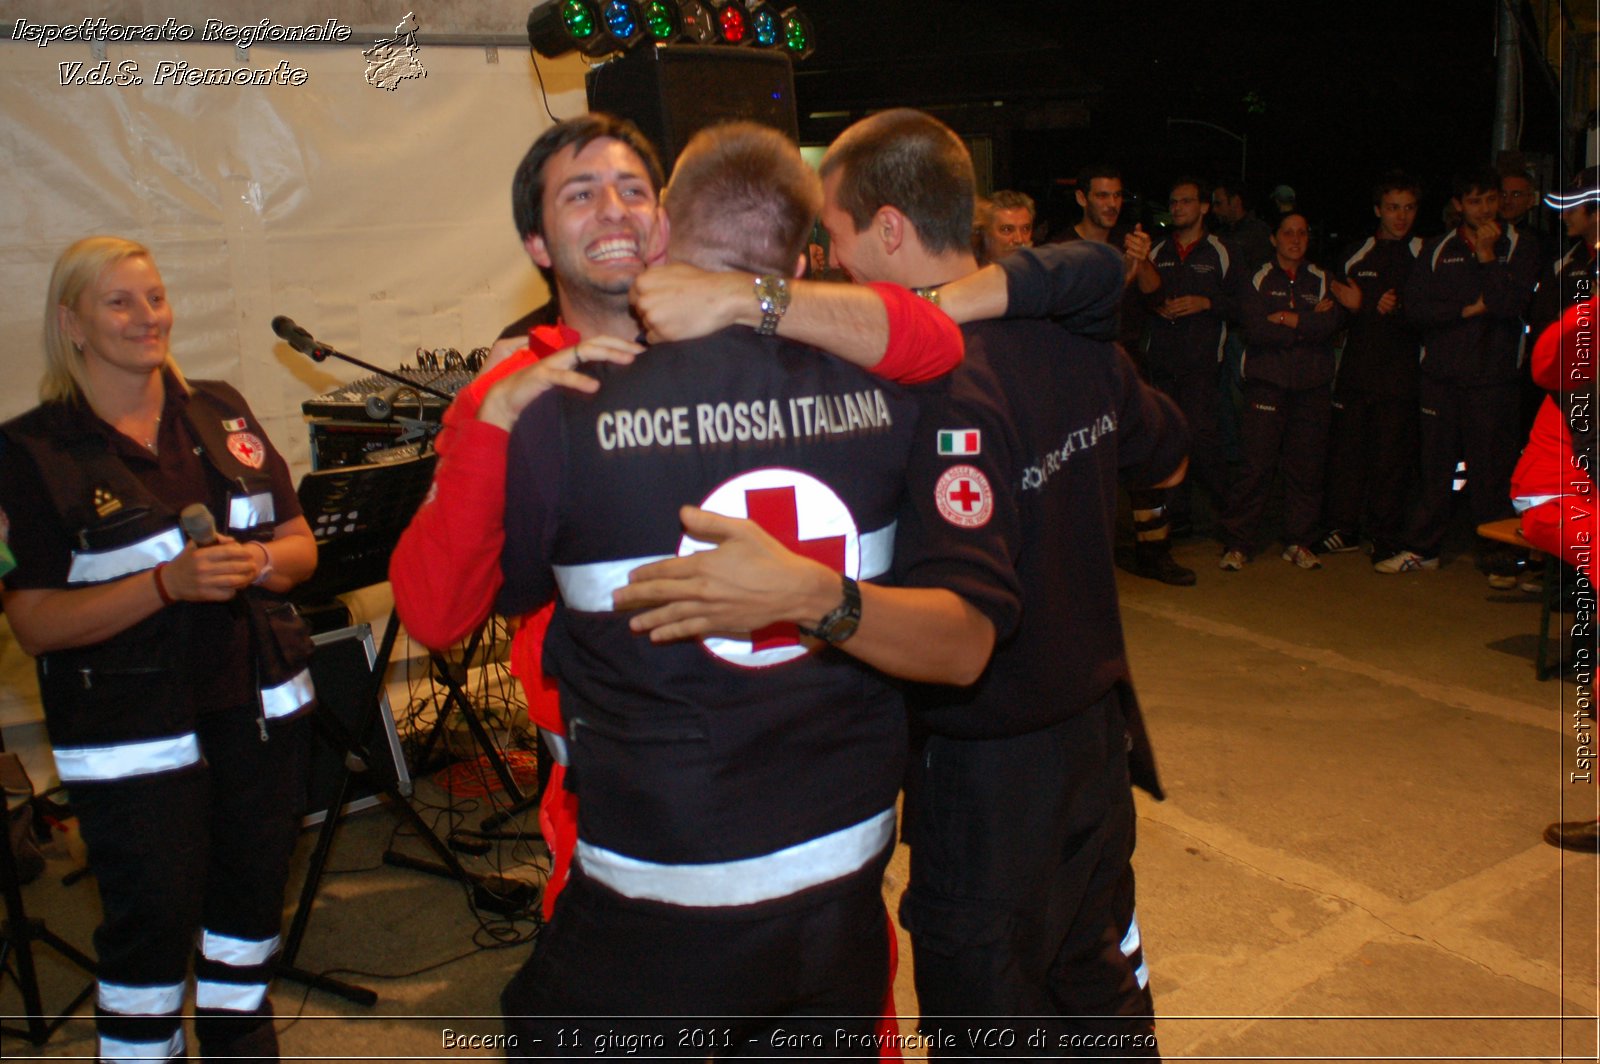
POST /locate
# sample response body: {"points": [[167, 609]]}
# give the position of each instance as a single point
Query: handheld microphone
{"points": [[198, 524], [380, 405], [298, 338]]}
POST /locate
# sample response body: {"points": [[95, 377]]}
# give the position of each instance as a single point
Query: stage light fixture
{"points": [[699, 26], [623, 21], [662, 21], [558, 27], [799, 39], [731, 22], [766, 28]]}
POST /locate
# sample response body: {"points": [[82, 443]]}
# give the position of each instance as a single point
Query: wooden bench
{"points": [[1509, 531]]}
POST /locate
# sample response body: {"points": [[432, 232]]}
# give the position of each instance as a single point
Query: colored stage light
{"points": [[766, 28], [558, 27], [699, 25], [623, 21], [799, 40], [733, 26], [661, 20]]}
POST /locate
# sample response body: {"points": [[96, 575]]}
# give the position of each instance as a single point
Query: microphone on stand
{"points": [[298, 338]]}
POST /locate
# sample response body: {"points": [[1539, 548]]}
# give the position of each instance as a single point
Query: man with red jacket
{"points": [[585, 201]]}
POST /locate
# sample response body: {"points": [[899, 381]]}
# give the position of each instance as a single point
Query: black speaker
{"points": [[341, 668], [674, 92]]}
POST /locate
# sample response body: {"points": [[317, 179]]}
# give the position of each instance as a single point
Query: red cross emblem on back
{"points": [[807, 517], [775, 510]]}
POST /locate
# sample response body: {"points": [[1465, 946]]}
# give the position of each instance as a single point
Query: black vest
{"points": [[123, 707]]}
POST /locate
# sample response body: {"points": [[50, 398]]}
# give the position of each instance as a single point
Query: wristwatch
{"points": [[841, 623], [931, 294], [772, 298]]}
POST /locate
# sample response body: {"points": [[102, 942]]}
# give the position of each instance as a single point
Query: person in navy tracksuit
{"points": [[1372, 452], [1467, 295], [1186, 335], [1290, 317]]}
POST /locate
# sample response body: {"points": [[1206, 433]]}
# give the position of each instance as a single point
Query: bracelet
{"points": [[161, 585], [266, 563]]}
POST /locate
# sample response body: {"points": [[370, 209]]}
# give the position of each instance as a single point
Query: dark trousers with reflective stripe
{"points": [[1021, 898], [204, 847], [1477, 423], [1284, 430], [727, 979], [1372, 464]]}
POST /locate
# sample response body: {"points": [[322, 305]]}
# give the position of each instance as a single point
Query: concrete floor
{"points": [[1348, 866]]}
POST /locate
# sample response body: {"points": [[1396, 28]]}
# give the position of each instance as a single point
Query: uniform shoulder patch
{"points": [[248, 448], [964, 497], [960, 441]]}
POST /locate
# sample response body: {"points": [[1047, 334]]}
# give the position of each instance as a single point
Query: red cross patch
{"points": [[964, 497], [248, 448], [803, 514]]}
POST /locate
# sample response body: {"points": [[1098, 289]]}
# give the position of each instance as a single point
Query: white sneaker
{"points": [[1301, 557], [1233, 561], [1406, 561]]}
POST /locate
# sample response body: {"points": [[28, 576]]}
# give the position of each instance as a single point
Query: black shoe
{"points": [[1580, 835], [1337, 542], [1155, 561]]}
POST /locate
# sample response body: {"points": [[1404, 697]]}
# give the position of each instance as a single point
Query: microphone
{"points": [[298, 338], [198, 524], [380, 405]]}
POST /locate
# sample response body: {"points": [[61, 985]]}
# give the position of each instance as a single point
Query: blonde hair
{"points": [[77, 268]]}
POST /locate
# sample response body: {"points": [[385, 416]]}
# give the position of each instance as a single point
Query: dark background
{"points": [[1329, 95]]}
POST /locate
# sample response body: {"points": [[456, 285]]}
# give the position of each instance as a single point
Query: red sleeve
{"points": [[1564, 354], [923, 342], [445, 571]]}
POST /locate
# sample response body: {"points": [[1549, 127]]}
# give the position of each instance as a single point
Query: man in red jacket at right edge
{"points": [[585, 203], [1553, 488]]}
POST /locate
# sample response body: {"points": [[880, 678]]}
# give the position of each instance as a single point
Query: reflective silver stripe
{"points": [[588, 588], [82, 764], [1130, 946], [115, 1050], [94, 567], [237, 952], [877, 552], [140, 1000], [557, 745], [1130, 941], [248, 511], [754, 879], [235, 997], [288, 697], [1523, 503]]}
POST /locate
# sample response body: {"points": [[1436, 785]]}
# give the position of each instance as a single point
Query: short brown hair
{"points": [[741, 193], [910, 161]]}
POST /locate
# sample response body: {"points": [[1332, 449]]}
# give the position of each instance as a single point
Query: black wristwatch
{"points": [[841, 623]]}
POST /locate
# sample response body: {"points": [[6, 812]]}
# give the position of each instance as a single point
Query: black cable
{"points": [[544, 97]]}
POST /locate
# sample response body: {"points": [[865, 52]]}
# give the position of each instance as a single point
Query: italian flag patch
{"points": [[959, 441], [234, 425]]}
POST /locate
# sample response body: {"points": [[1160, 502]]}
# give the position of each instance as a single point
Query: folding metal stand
{"points": [[20, 932], [358, 514]]}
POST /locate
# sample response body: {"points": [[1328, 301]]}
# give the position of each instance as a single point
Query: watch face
{"points": [[842, 629]]}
